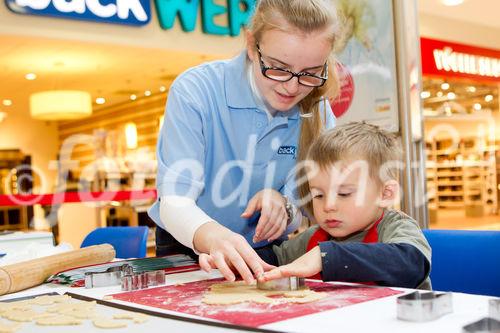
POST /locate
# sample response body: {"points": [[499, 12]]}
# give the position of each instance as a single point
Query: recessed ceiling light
{"points": [[451, 95], [163, 89], [147, 93], [133, 97], [30, 76], [452, 2], [471, 89], [477, 106], [439, 94], [100, 100], [425, 94], [488, 98], [7, 102], [445, 86]]}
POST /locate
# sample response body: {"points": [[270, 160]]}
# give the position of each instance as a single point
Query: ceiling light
{"points": [[30, 76], [452, 2], [471, 89], [131, 135], [445, 86], [7, 102], [147, 93], [488, 98], [477, 106], [100, 100], [60, 105], [439, 94], [425, 94], [133, 97], [451, 95], [163, 89]]}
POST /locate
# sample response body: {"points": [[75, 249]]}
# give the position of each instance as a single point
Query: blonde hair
{"points": [[355, 141], [306, 16]]}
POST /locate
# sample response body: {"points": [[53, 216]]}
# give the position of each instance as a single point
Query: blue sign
{"points": [[129, 12]]}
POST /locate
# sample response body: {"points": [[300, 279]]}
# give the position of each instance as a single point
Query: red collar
{"points": [[321, 235]]}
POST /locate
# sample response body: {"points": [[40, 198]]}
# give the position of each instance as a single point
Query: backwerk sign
{"points": [[138, 12]]}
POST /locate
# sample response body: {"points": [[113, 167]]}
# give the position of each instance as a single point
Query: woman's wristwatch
{"points": [[290, 210]]}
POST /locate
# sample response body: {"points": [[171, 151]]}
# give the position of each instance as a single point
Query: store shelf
{"points": [[463, 174]]}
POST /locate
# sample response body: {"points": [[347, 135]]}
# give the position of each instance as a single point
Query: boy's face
{"points": [[345, 198]]}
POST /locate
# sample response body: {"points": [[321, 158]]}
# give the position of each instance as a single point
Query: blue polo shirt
{"points": [[218, 148]]}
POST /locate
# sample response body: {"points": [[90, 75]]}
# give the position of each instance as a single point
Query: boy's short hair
{"points": [[357, 141]]}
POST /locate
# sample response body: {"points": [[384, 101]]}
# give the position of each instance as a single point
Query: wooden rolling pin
{"points": [[31, 273]]}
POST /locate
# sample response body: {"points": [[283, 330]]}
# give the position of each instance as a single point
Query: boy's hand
{"points": [[273, 217], [307, 265]]}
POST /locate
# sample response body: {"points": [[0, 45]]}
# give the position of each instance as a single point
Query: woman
{"points": [[228, 147]]}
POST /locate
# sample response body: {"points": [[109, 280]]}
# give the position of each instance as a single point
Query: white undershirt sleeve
{"points": [[181, 217]]}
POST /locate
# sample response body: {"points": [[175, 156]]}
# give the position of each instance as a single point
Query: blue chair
{"points": [[465, 261], [128, 242]]}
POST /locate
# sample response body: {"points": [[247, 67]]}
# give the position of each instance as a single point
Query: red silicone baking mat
{"points": [[186, 298]]}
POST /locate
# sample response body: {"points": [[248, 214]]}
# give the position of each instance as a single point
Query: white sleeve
{"points": [[181, 217]]}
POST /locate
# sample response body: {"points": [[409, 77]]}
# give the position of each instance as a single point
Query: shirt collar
{"points": [[239, 94]]}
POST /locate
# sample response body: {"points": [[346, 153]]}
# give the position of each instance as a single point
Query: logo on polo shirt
{"points": [[130, 12], [287, 150]]}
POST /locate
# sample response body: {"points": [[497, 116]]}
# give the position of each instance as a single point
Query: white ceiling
{"points": [[480, 12], [109, 71]]}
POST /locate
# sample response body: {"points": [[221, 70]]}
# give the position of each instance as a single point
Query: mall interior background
{"points": [[128, 70]]}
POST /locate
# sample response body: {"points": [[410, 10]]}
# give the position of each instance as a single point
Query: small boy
{"points": [[352, 180]]}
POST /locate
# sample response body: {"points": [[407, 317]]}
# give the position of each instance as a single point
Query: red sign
{"points": [[442, 58]]}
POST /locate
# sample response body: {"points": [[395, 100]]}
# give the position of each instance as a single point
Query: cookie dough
{"points": [[9, 328], [80, 313], [138, 318], [80, 305], [49, 299], [21, 315], [239, 292], [58, 320], [10, 306], [109, 323]]}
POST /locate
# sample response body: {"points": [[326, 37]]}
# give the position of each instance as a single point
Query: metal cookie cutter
{"points": [[110, 277], [289, 283], [143, 280], [424, 306], [485, 325], [494, 308]]}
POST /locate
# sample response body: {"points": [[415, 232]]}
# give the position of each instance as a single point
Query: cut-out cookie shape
{"points": [[109, 323], [138, 318], [49, 299], [9, 328], [58, 320]]}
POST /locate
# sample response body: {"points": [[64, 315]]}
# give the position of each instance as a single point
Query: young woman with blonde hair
{"points": [[234, 131]]}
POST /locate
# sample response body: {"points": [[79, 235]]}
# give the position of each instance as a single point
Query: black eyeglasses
{"points": [[284, 75]]}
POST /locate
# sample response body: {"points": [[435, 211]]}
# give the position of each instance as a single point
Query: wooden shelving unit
{"points": [[15, 178], [462, 175]]}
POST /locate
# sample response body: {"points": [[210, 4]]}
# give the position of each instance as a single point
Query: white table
{"points": [[373, 316]]}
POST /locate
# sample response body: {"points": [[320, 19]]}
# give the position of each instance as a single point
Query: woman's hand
{"points": [[308, 264], [273, 216], [228, 251]]}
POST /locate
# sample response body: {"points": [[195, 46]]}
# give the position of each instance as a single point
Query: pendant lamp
{"points": [[60, 105]]}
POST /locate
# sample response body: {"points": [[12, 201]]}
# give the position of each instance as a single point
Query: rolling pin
{"points": [[34, 272]]}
